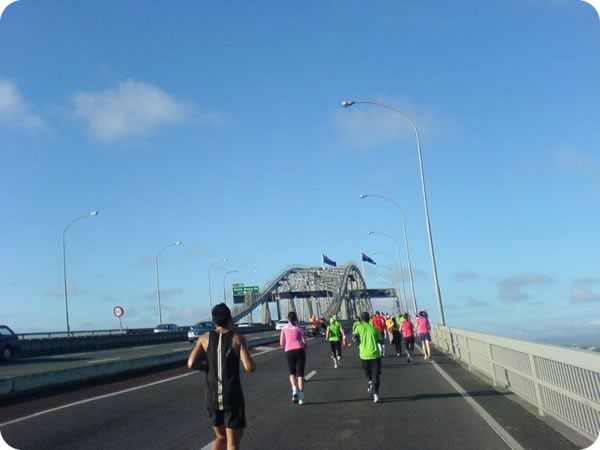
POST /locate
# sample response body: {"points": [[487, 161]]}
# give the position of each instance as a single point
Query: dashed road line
{"points": [[101, 360]]}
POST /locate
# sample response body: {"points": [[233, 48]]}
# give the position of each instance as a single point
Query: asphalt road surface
{"points": [[165, 410]]}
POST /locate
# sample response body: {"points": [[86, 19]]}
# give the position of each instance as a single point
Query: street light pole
{"points": [[410, 272], [347, 104], [397, 280], [399, 261], [158, 278], [224, 291], [209, 287], [93, 213]]}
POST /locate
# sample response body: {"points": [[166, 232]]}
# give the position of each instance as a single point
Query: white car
{"points": [[280, 324], [199, 329], [166, 328]]}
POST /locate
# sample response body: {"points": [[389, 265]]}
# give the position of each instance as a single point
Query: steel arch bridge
{"points": [[313, 291]]}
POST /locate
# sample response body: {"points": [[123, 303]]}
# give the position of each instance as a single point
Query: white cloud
{"points": [[466, 275], [165, 294], [578, 162], [14, 110], [369, 125], [583, 295], [59, 291], [511, 288], [134, 108]]}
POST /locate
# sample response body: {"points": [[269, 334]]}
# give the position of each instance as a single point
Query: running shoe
{"points": [[370, 387], [295, 397], [398, 355], [409, 360], [301, 398], [335, 364], [425, 357], [339, 361], [376, 398]]}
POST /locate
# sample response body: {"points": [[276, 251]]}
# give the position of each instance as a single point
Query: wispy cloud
{"points": [[135, 108], [15, 112], [199, 249], [583, 291], [578, 162], [364, 126], [466, 275], [59, 291], [472, 302], [165, 294], [511, 289]]}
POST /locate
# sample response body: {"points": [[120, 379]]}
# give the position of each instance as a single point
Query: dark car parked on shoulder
{"points": [[9, 343]]}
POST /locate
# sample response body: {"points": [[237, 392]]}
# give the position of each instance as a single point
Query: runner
{"points": [[396, 337], [408, 334], [424, 330], [323, 324], [314, 325], [389, 325], [369, 354], [218, 353], [335, 334], [379, 322], [292, 338], [354, 336]]}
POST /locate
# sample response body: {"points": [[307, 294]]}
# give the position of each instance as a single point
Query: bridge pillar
{"points": [[309, 305], [266, 313], [291, 305], [278, 308]]}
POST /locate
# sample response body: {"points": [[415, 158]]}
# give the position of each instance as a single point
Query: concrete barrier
{"points": [[13, 386]]}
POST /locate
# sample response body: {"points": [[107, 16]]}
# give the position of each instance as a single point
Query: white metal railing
{"points": [[559, 381]]}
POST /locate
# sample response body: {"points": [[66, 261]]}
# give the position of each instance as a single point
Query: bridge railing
{"points": [[561, 382]]}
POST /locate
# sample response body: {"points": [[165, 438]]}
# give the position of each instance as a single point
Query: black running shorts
{"points": [[296, 360], [231, 418]]}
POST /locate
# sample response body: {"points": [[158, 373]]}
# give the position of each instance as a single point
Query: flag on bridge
{"points": [[365, 258], [328, 261]]}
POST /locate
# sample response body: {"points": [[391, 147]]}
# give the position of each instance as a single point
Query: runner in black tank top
{"points": [[223, 387], [219, 353]]}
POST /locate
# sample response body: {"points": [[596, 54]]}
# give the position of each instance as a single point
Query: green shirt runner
{"points": [[335, 331], [369, 337]]}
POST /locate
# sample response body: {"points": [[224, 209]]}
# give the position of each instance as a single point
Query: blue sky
{"points": [[219, 125]]}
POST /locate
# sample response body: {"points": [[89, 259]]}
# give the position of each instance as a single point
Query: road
{"points": [[165, 410]]}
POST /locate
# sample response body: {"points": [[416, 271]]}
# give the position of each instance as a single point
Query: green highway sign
{"points": [[242, 290]]}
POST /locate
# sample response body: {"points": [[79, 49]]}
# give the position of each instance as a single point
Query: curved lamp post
{"points": [[399, 259], [90, 214], [209, 287], [397, 281], [347, 104], [224, 291], [158, 278], [410, 272]]}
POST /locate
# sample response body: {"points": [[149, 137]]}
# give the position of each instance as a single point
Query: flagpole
{"points": [[363, 267], [325, 277]]}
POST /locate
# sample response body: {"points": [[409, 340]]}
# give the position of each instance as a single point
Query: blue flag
{"points": [[365, 258], [328, 261]]}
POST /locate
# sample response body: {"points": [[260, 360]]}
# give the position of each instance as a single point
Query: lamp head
{"points": [[370, 232], [347, 103], [225, 259], [178, 243], [364, 195], [94, 213]]}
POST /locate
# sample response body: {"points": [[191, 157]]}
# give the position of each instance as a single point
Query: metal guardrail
{"points": [[561, 382]]}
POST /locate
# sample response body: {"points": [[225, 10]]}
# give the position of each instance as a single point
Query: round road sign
{"points": [[118, 311]]}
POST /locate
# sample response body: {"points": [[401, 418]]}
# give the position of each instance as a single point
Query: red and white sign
{"points": [[118, 311]]}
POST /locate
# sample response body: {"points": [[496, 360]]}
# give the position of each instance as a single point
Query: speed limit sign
{"points": [[118, 311]]}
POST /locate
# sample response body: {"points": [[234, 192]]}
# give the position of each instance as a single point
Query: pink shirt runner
{"points": [[423, 325], [407, 328], [292, 337]]}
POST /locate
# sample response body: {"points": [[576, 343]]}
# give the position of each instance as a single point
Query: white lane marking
{"points": [[208, 446], [180, 349], [310, 375], [100, 397], [102, 360], [504, 435]]}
